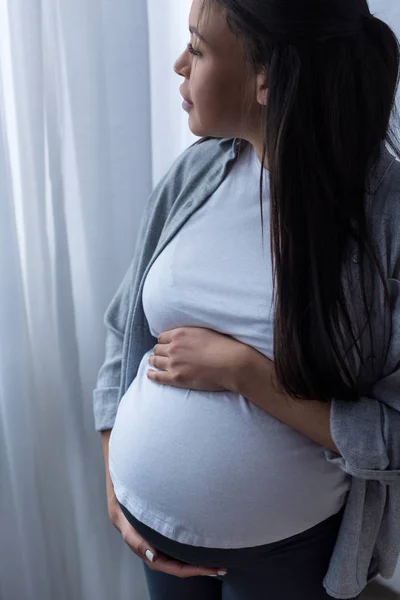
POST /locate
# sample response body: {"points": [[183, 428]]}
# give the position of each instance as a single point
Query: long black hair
{"points": [[332, 71]]}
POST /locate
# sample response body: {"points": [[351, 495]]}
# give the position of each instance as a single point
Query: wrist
{"points": [[113, 506], [245, 370]]}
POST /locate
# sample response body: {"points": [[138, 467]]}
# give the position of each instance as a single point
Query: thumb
{"points": [[146, 551], [151, 555]]}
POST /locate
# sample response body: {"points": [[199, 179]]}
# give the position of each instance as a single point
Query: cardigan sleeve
{"points": [[106, 394], [367, 433]]}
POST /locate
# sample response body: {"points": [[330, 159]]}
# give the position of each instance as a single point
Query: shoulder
{"points": [[384, 184], [195, 163], [201, 154], [191, 167], [383, 210]]}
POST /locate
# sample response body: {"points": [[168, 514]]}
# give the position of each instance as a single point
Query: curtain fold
{"points": [[90, 120], [75, 171]]}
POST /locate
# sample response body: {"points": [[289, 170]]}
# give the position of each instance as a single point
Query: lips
{"points": [[187, 99]]}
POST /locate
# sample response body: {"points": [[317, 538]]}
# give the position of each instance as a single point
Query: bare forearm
{"points": [[309, 417], [105, 438]]}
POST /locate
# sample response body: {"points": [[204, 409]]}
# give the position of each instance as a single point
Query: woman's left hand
{"points": [[199, 359]]}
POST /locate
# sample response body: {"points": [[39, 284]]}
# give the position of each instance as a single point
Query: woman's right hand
{"points": [[139, 546]]}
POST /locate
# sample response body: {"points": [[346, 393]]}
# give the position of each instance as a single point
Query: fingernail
{"points": [[222, 573], [150, 555]]}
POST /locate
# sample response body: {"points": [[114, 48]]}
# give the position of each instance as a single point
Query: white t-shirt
{"points": [[205, 468]]}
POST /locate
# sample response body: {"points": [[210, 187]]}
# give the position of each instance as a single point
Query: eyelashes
{"points": [[193, 50]]}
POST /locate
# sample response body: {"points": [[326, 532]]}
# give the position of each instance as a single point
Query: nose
{"points": [[181, 66]]}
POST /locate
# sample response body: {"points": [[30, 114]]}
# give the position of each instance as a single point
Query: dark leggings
{"points": [[291, 569]]}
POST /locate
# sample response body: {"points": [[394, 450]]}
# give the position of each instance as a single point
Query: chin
{"points": [[201, 130], [196, 129]]}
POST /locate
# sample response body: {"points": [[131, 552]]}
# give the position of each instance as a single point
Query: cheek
{"points": [[216, 96]]}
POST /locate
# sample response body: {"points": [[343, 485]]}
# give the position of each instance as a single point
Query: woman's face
{"points": [[216, 80]]}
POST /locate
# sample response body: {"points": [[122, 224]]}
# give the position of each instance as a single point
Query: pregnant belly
{"points": [[217, 469]]}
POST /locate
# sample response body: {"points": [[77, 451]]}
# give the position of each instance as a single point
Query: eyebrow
{"points": [[194, 30]]}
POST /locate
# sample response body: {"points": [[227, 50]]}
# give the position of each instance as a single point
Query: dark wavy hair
{"points": [[332, 71]]}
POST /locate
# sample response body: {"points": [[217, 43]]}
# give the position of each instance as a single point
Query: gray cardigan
{"points": [[367, 433]]}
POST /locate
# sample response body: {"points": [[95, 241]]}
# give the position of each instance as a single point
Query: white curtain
{"points": [[76, 166], [90, 119]]}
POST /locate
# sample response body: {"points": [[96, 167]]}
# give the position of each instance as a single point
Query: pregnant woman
{"points": [[249, 400]]}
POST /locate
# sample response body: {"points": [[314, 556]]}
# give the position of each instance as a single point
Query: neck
{"points": [[258, 148]]}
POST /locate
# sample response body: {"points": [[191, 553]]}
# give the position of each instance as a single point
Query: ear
{"points": [[262, 88]]}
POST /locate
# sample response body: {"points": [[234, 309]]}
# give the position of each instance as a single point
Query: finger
{"points": [[166, 336], [162, 377], [153, 375], [160, 349], [176, 568], [139, 545], [161, 562], [160, 362]]}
